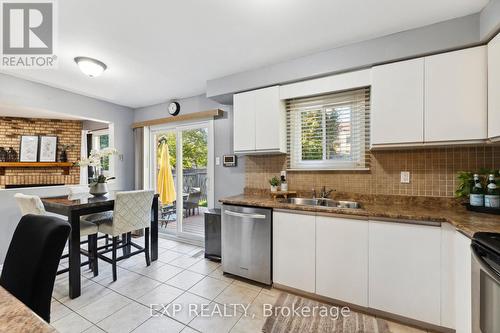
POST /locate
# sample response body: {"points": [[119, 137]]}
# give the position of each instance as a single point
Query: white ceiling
{"points": [[162, 49]]}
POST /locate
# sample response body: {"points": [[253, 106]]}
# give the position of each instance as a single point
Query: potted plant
{"points": [[98, 185], [274, 182]]}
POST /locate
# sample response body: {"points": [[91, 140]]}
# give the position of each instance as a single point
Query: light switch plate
{"points": [[405, 177], [217, 160]]}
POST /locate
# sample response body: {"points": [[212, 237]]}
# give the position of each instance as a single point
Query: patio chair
{"points": [[166, 213], [193, 202]]}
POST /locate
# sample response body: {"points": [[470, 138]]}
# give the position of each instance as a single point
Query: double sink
{"points": [[323, 202]]}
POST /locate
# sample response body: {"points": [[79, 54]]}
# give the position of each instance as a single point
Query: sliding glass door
{"points": [[188, 191]]}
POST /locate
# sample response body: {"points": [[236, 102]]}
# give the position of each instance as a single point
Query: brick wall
{"points": [[433, 172], [68, 133]]}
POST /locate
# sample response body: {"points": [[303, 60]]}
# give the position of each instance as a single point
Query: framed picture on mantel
{"points": [[29, 149], [48, 149]]}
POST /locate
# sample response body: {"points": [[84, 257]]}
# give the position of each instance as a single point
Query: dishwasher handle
{"points": [[247, 215]]}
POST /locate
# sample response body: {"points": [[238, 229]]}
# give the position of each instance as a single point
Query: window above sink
{"points": [[330, 131]]}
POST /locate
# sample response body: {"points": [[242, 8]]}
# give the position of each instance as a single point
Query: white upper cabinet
{"points": [[294, 250], [244, 122], [494, 88], [398, 103], [456, 96], [259, 122], [342, 259], [405, 270]]}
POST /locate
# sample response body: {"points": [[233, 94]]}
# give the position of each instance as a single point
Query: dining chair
{"points": [[132, 212], [32, 204], [31, 263]]}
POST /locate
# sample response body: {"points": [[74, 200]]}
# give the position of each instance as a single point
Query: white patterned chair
{"points": [[132, 212], [32, 204]]}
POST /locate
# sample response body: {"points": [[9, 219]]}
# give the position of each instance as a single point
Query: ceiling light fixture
{"points": [[90, 67]]}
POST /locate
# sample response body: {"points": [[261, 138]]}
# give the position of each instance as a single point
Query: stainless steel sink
{"points": [[323, 203]]}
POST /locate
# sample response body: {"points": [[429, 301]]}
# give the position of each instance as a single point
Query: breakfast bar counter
{"points": [[17, 317]]}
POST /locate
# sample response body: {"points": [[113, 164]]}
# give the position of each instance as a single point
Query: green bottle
{"points": [[477, 193], [492, 195]]}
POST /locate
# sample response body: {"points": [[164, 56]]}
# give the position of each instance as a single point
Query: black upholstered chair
{"points": [[30, 267]]}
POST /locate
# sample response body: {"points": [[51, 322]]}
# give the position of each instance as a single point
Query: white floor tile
{"points": [[163, 273], [71, 323], [184, 261], [104, 307], [168, 256], [215, 320], [184, 302], [185, 280], [204, 266], [88, 295], [235, 294], [164, 294], [126, 319], [58, 311], [138, 287], [209, 287], [160, 324]]}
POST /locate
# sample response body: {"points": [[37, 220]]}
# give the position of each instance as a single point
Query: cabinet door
{"points": [[398, 103], [270, 121], [494, 88], [463, 284], [294, 250], [404, 270], [342, 259], [456, 96], [244, 122]]}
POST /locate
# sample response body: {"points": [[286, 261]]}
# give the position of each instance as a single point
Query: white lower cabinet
{"points": [[404, 270], [463, 284], [342, 259], [417, 271], [294, 250]]}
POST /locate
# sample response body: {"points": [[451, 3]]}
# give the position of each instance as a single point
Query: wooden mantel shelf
{"points": [[13, 165]]}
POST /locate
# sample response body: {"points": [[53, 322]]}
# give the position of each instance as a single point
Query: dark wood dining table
{"points": [[76, 206]]}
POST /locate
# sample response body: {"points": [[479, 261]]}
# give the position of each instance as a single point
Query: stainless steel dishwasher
{"points": [[246, 242]]}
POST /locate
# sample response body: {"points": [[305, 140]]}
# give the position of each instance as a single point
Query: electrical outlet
{"points": [[405, 177], [217, 160]]}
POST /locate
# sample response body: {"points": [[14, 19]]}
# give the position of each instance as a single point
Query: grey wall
{"points": [[443, 36], [20, 93], [228, 181]]}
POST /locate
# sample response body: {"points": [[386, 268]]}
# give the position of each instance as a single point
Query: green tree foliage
{"points": [[194, 148], [312, 134]]}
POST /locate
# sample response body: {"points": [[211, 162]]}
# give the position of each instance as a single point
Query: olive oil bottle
{"points": [[492, 195], [477, 193]]}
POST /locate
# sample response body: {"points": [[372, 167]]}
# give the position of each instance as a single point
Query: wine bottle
{"points": [[492, 195], [477, 193]]}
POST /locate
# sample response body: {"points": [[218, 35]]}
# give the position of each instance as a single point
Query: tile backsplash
{"points": [[433, 171]]}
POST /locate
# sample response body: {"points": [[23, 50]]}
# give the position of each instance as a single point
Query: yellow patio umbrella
{"points": [[166, 186]]}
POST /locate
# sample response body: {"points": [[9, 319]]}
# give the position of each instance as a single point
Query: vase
{"points": [[99, 189], [274, 188]]}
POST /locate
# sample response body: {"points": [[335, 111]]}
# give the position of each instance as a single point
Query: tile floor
{"points": [[180, 277]]}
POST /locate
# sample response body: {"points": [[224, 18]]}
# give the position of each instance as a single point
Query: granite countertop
{"points": [[17, 317], [466, 222]]}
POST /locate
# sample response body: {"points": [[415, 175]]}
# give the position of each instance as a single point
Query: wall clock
{"points": [[174, 108]]}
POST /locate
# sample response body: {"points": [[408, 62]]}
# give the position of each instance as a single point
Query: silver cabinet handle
{"points": [[252, 216]]}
